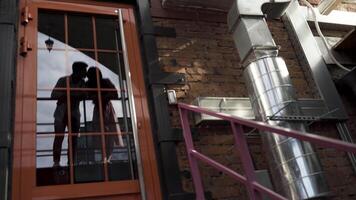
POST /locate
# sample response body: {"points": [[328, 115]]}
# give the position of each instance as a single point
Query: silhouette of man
{"points": [[61, 114]]}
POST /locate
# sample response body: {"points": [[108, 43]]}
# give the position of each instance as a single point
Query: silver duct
{"points": [[295, 167]]}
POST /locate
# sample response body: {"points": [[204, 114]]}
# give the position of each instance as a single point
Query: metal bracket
{"points": [[305, 41], [290, 118], [308, 118], [26, 16], [25, 46], [167, 78], [293, 118]]}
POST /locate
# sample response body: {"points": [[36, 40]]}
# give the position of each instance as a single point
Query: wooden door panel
{"points": [[27, 124]]}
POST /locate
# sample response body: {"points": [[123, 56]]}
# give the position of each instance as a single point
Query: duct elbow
{"points": [[256, 8], [253, 40], [275, 9], [246, 21]]}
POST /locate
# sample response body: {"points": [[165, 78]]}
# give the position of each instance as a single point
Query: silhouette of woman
{"points": [[103, 99]]}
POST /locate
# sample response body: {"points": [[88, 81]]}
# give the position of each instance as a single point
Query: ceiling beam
{"points": [[326, 6]]}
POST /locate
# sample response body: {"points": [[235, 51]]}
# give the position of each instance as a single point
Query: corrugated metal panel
{"points": [[7, 38], [8, 19], [8, 11]]}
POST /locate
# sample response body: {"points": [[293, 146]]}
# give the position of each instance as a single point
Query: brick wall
{"points": [[205, 52]]}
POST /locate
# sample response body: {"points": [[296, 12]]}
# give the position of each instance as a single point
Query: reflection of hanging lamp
{"points": [[49, 44]]}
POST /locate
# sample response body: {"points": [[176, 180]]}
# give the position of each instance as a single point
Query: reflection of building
{"points": [[145, 49]]}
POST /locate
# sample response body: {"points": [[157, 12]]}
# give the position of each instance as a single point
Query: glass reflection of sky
{"points": [[50, 67], [45, 110], [44, 144]]}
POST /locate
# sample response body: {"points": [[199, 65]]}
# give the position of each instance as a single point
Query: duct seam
{"points": [[269, 99]]}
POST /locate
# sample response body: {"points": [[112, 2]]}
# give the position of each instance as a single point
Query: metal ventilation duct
{"points": [[295, 167]]}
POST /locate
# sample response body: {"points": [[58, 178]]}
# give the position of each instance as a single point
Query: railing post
{"points": [[241, 146], [192, 161]]}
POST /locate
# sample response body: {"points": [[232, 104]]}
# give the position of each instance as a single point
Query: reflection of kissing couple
{"points": [[101, 100]]}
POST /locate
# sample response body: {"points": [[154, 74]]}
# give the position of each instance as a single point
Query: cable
{"points": [[326, 43]]}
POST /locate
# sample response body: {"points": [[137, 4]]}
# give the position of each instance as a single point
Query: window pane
{"points": [[54, 65], [80, 56], [122, 165], [45, 129], [122, 116], [88, 159], [45, 110], [80, 31], [86, 108], [105, 32], [47, 172], [50, 67], [109, 68], [51, 26]]}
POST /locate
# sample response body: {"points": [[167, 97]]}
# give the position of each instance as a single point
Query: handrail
{"points": [[255, 190]]}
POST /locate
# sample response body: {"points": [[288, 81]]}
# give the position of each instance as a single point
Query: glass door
{"points": [[85, 133]]}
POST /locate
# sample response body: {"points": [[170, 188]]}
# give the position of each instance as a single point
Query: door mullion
{"points": [[132, 105]]}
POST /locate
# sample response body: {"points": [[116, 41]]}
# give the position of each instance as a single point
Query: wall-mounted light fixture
{"points": [[172, 97], [49, 44]]}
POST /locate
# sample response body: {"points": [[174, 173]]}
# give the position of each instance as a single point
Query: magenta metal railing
{"points": [[254, 189]]}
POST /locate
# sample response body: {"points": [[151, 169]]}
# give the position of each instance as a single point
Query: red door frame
{"points": [[24, 164]]}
